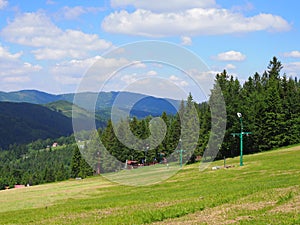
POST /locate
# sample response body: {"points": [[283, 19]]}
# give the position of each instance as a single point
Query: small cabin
{"points": [[54, 145]]}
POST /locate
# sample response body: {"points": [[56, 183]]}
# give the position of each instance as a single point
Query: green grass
{"points": [[264, 191], [143, 176]]}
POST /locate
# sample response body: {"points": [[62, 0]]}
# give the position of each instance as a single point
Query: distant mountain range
{"points": [[145, 105], [29, 115]]}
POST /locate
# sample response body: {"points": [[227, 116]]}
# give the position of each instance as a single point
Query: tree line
{"points": [[269, 103]]}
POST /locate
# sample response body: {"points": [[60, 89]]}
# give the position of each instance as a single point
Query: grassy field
{"points": [[264, 191]]}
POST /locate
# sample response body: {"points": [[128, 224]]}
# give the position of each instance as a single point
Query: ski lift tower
{"points": [[241, 137]]}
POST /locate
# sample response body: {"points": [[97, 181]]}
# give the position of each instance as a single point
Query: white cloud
{"points": [[6, 55], [129, 79], [183, 83], [67, 80], [178, 81], [73, 67], [21, 69], [71, 13], [230, 56], [230, 66], [205, 81], [174, 78], [54, 54], [191, 22], [37, 30], [11, 65], [11, 68], [292, 54], [3, 4], [138, 64], [185, 40], [154, 86], [292, 68], [20, 79], [71, 72], [152, 73], [166, 5]]}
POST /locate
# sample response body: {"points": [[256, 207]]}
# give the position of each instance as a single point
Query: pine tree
{"points": [[75, 163], [85, 169], [218, 116]]}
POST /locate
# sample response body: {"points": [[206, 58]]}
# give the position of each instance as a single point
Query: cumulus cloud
{"points": [[38, 31], [162, 6], [152, 73], [71, 13], [3, 4], [185, 40], [138, 64], [230, 56], [292, 54], [73, 67], [178, 81], [230, 67], [12, 65], [174, 78], [128, 79], [292, 68], [6, 55], [10, 68], [191, 22], [154, 86], [205, 80], [71, 72]]}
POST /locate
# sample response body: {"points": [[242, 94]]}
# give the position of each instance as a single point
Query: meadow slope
{"points": [[266, 190]]}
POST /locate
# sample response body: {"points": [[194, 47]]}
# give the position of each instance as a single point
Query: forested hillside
{"points": [[38, 162], [77, 113], [25, 122]]}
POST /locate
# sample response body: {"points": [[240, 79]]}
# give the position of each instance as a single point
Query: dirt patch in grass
{"points": [[218, 215], [292, 206], [234, 213]]}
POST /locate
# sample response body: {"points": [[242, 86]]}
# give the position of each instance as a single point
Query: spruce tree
{"points": [[75, 163]]}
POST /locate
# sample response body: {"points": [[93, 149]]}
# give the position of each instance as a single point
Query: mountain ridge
{"points": [[145, 104], [29, 115]]}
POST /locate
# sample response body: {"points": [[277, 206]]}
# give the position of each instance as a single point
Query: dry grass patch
{"points": [[235, 212]]}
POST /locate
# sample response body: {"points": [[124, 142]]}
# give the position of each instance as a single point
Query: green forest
{"points": [[269, 103]]}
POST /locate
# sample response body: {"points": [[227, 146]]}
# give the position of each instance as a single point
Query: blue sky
{"points": [[50, 45]]}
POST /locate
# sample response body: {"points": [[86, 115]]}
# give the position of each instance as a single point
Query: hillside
{"points": [[29, 96], [26, 122], [105, 101], [70, 110], [264, 191]]}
